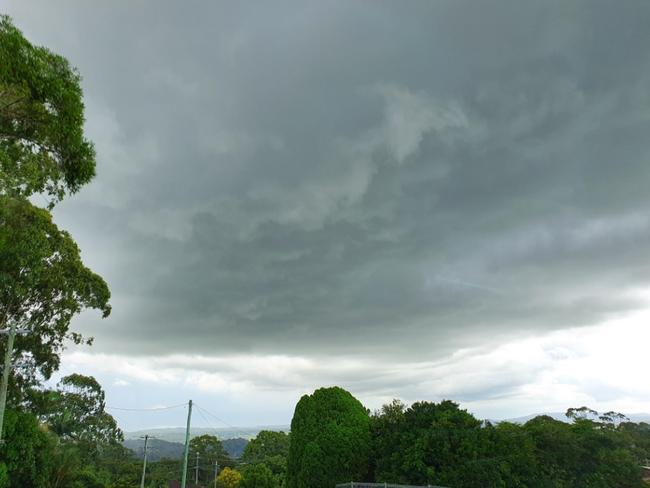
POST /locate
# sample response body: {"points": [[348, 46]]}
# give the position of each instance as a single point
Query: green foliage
{"points": [[75, 412], [229, 478], [67, 463], [267, 444], [638, 436], [270, 449], [330, 440], [586, 453], [88, 451], [42, 147], [258, 476], [209, 449], [431, 443], [580, 413], [512, 451], [43, 284], [160, 472], [111, 466], [26, 454]]}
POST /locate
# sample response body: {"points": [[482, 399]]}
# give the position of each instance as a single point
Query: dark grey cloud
{"points": [[377, 178]]}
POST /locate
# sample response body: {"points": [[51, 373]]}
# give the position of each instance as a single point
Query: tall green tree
{"points": [[330, 440], [43, 284], [258, 476], [428, 443], [585, 453], [270, 449], [210, 449], [386, 428], [76, 412], [27, 455], [442, 444], [265, 445], [42, 146], [113, 467]]}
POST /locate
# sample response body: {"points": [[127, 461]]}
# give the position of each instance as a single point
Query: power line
{"points": [[235, 429], [218, 419], [198, 409], [211, 425]]}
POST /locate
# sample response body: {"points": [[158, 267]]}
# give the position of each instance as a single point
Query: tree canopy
{"points": [[42, 146], [267, 444], [76, 411], [427, 443], [26, 455], [43, 284], [271, 450], [210, 449], [229, 478], [330, 440], [258, 476], [439, 443]]}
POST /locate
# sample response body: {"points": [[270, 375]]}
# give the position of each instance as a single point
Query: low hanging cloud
{"points": [[545, 373], [359, 180]]}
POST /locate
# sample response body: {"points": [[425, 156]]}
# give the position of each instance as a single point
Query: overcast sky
{"points": [[423, 200]]}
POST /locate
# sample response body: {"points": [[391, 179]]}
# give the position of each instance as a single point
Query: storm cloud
{"points": [[358, 179]]}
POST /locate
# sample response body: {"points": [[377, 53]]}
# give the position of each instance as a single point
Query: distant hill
{"points": [[634, 417], [177, 434], [158, 449], [169, 442], [235, 447]]}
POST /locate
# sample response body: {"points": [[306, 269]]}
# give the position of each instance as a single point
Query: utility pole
{"points": [[216, 471], [196, 474], [187, 447], [11, 333], [144, 465]]}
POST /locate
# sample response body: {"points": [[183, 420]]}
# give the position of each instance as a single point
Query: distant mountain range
{"points": [[169, 442], [634, 417], [158, 449], [177, 434]]}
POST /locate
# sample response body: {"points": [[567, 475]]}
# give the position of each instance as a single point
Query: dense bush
{"points": [[26, 454], [438, 443], [330, 440]]}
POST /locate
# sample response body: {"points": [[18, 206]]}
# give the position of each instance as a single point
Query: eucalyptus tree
{"points": [[209, 450], [270, 449], [27, 458], [42, 144], [77, 412], [43, 284]]}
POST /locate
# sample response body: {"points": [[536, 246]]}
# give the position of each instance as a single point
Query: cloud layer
{"points": [[370, 181], [545, 373]]}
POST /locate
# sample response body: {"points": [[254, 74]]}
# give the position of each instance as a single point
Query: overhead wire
{"points": [[215, 417], [234, 429], [198, 409]]}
